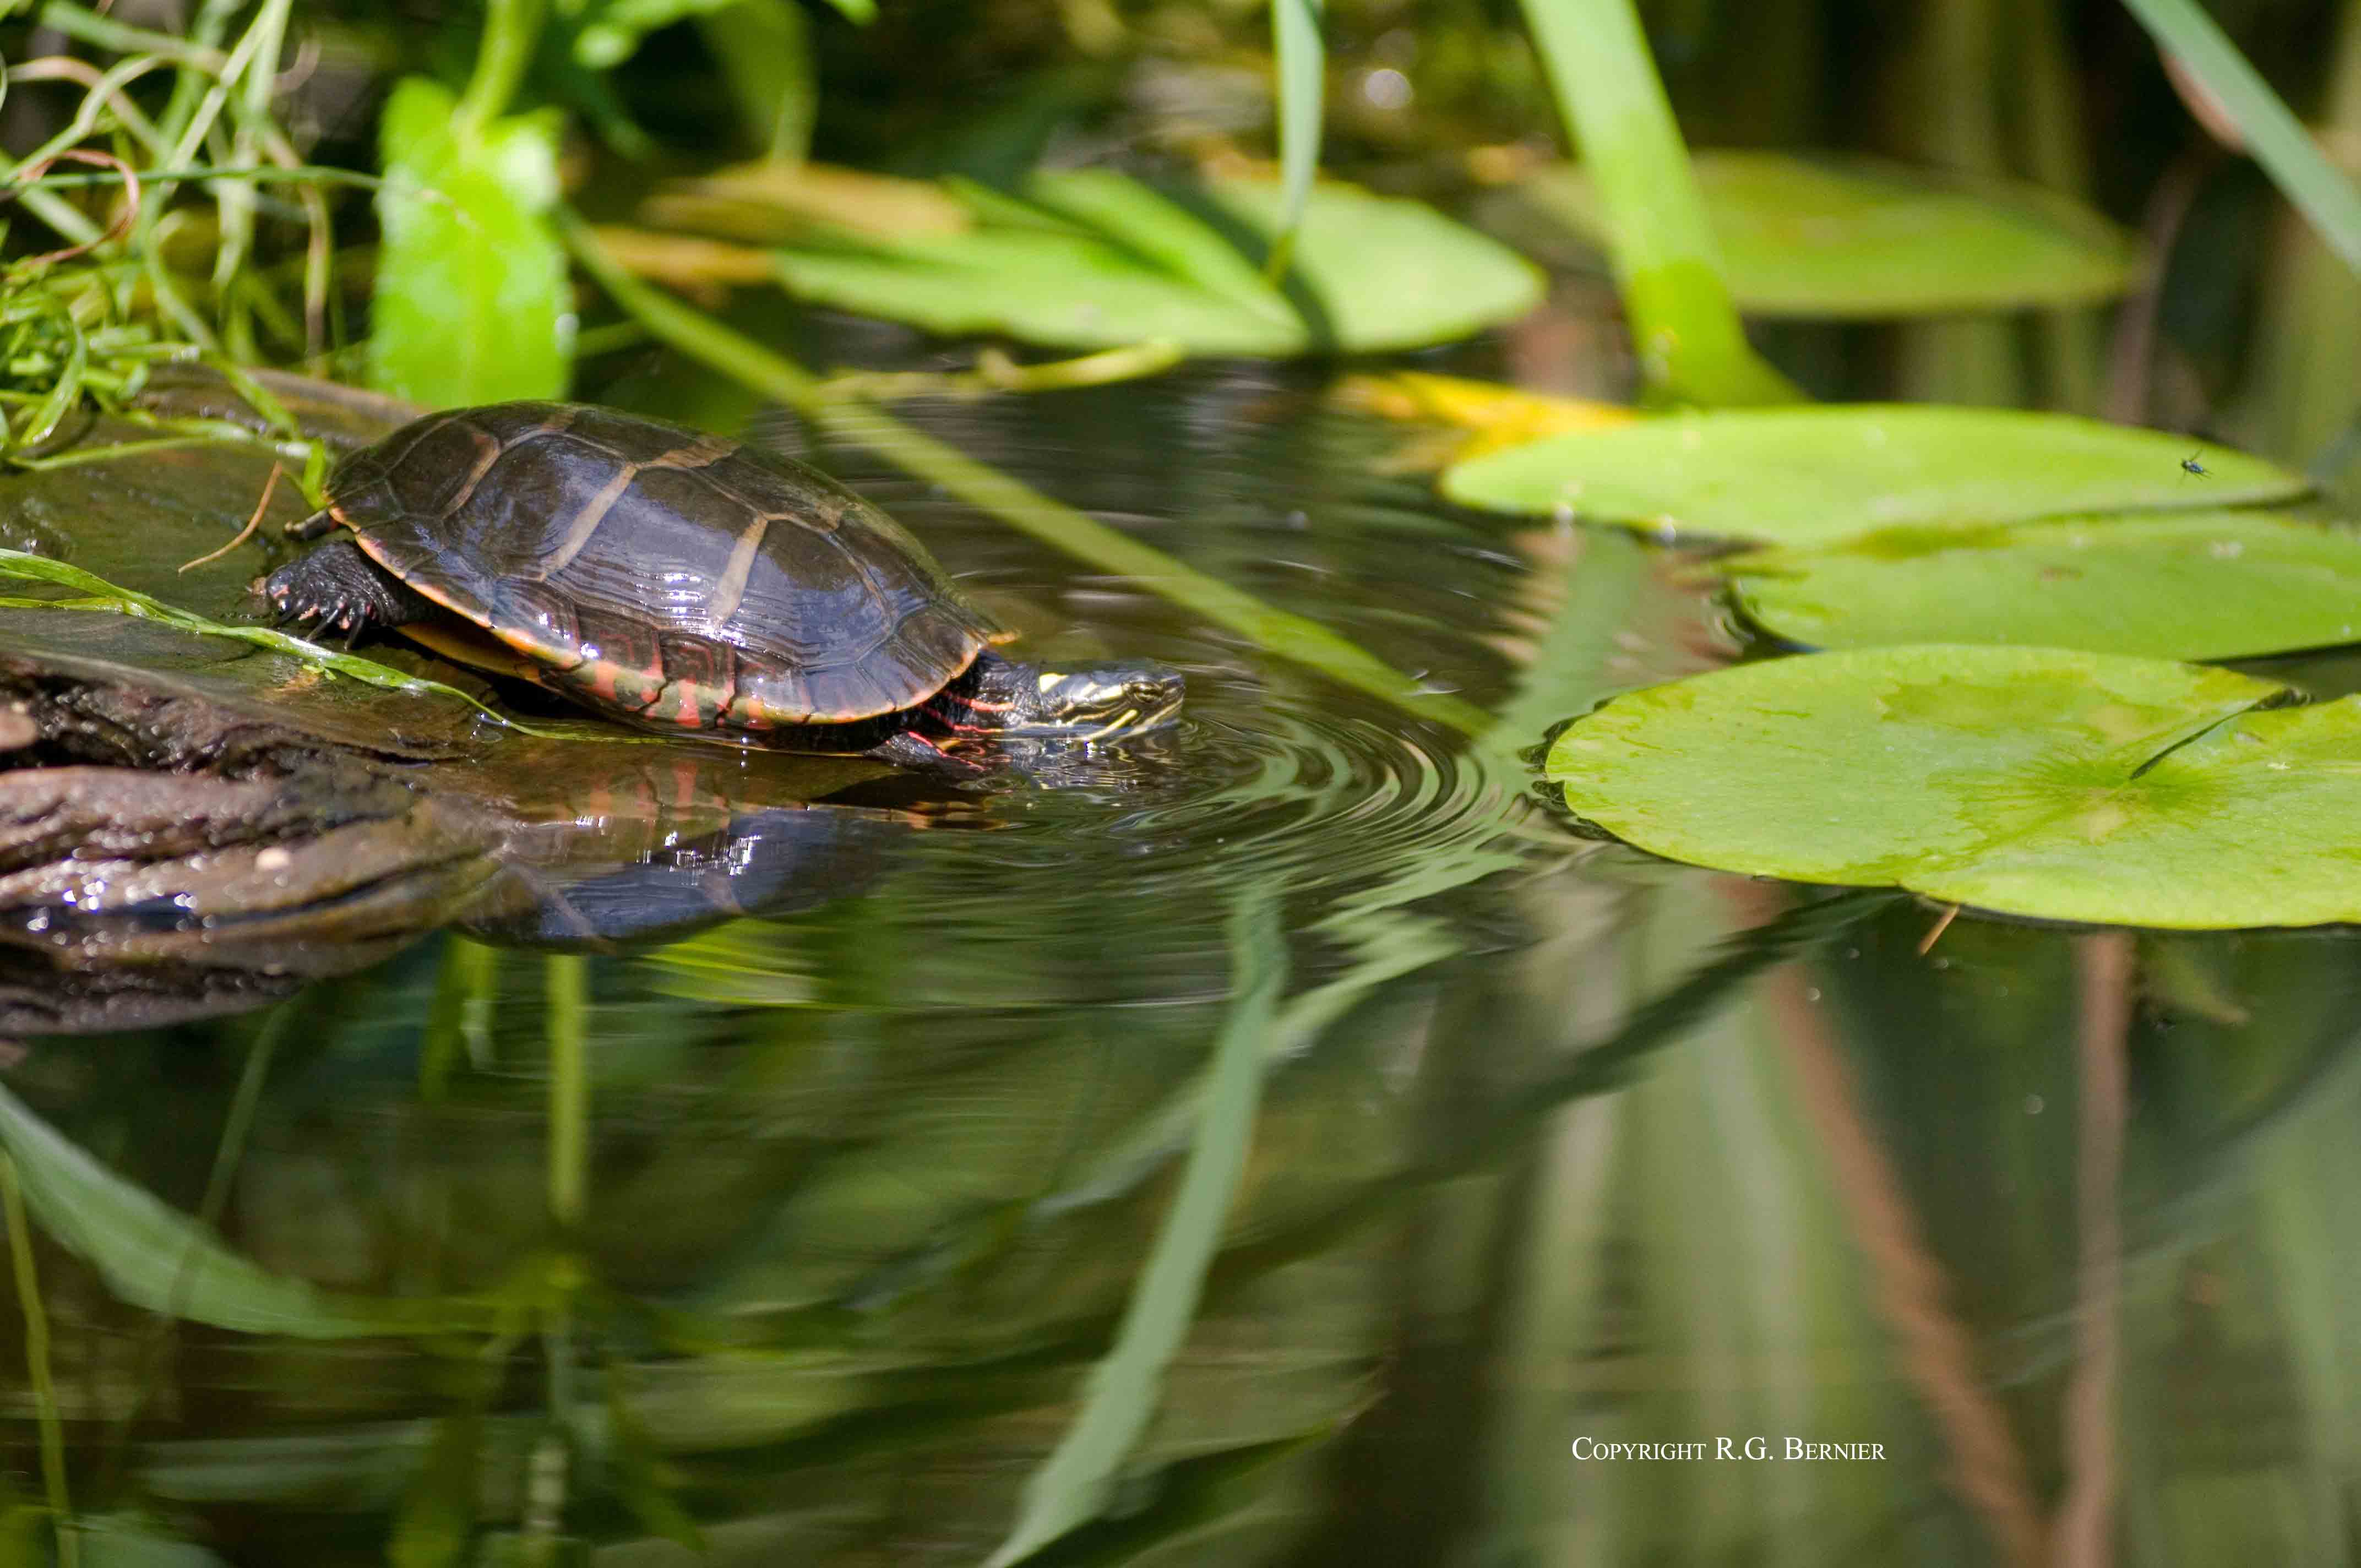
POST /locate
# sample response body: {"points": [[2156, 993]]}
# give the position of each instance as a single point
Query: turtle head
{"points": [[1079, 702]]}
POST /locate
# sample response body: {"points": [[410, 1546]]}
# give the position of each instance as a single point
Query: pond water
{"points": [[2022, 1246]]}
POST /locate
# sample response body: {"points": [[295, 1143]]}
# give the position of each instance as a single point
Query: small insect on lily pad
{"points": [[1815, 476], [2202, 585], [2038, 781]]}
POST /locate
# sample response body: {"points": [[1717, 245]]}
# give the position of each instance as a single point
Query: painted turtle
{"points": [[676, 580]]}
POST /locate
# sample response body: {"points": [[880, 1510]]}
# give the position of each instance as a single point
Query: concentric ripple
{"points": [[1103, 874]]}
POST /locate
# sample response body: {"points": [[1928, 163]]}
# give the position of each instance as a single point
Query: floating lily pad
{"points": [[2207, 585], [1093, 258], [2038, 782], [1870, 240], [1815, 476]]}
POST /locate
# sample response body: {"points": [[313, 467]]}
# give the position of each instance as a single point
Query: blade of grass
{"points": [[157, 1257], [105, 32], [2274, 136], [1071, 1487], [1291, 637], [234, 200], [1302, 62], [37, 1363], [1684, 326], [765, 50], [309, 173]]}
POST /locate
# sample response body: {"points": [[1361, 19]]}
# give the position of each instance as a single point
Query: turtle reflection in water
{"points": [[191, 827], [678, 580]]}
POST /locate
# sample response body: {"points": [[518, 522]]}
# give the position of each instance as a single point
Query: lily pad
{"points": [[2038, 782], [2206, 585], [1092, 258], [1863, 240], [1815, 476]]}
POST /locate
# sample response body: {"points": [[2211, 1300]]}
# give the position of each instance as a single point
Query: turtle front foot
{"points": [[921, 755], [339, 588]]}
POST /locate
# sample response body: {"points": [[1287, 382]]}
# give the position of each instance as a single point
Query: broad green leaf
{"points": [[2038, 781], [151, 1255], [1388, 272], [1102, 260], [1819, 474], [1157, 228], [1859, 240], [1074, 1485], [471, 303], [2208, 585]]}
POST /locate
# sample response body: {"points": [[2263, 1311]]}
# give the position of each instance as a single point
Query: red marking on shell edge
{"points": [[691, 714]]}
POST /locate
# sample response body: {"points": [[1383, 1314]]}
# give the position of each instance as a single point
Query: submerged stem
{"points": [[37, 1363], [568, 980]]}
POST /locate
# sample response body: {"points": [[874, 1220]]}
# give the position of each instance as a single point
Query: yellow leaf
{"points": [[1495, 415]]}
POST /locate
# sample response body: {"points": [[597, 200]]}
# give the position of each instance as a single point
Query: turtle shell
{"points": [[658, 571]]}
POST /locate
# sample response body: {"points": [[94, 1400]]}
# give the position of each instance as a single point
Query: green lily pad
{"points": [[1815, 476], [2205, 584], [2038, 781], [1861, 240], [1093, 260]]}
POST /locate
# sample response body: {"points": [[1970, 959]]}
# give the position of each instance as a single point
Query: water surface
{"points": [[2027, 1247]]}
